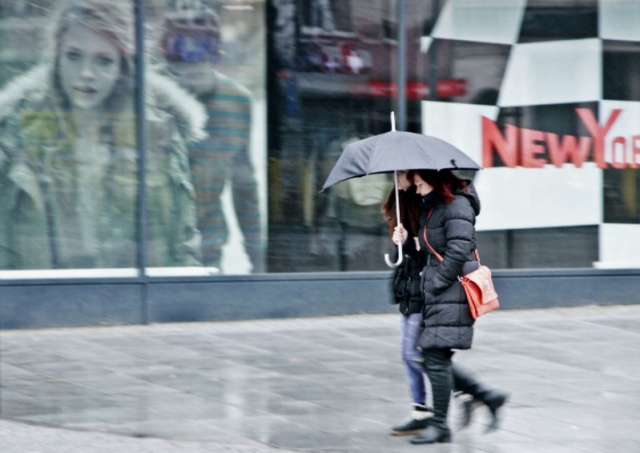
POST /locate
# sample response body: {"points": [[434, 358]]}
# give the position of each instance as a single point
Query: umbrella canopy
{"points": [[397, 150], [393, 151]]}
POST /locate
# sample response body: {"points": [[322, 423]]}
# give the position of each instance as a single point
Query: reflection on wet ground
{"points": [[329, 384]]}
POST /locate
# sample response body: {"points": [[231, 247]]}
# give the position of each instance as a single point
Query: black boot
{"points": [[494, 400], [432, 435], [467, 408], [465, 382], [437, 365], [416, 422]]}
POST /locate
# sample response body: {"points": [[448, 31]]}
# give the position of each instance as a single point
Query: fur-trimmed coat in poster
{"points": [[64, 205]]}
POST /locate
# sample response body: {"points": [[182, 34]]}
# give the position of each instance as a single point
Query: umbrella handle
{"points": [[395, 180], [390, 263]]}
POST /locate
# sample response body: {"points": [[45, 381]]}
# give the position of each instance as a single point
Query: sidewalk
{"points": [[315, 385], [17, 437]]}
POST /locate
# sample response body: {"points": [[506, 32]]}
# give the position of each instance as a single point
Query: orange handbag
{"points": [[481, 294], [477, 285]]}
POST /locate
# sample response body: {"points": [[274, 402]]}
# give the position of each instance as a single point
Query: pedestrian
{"points": [[407, 293], [449, 207], [69, 158]]}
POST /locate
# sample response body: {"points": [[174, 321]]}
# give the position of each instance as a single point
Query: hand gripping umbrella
{"points": [[393, 151]]}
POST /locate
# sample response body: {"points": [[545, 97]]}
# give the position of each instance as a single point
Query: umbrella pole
{"points": [[400, 254]]}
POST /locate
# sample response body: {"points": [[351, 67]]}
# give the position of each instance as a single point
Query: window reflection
{"points": [[543, 93]]}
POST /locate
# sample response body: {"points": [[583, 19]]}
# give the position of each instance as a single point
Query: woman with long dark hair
{"points": [[407, 293]]}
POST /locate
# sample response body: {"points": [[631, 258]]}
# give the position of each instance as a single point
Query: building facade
{"points": [[162, 160]]}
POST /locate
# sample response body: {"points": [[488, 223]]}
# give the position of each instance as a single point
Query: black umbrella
{"points": [[393, 151], [396, 150]]}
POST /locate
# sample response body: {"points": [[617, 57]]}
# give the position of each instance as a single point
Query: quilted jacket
{"points": [[450, 231]]}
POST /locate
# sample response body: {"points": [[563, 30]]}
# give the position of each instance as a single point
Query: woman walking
{"points": [[449, 207], [407, 293]]}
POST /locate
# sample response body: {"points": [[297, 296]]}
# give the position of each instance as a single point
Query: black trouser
{"points": [[438, 367], [445, 377]]}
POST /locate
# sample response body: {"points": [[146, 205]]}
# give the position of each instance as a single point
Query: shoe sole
{"points": [[407, 433], [444, 440]]}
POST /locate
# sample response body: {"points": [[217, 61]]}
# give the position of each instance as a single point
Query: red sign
{"points": [[419, 90], [531, 148]]}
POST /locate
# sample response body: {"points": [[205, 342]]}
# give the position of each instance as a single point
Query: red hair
{"points": [[444, 182]]}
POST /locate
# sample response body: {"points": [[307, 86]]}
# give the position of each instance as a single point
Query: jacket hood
{"points": [[163, 93], [472, 195]]}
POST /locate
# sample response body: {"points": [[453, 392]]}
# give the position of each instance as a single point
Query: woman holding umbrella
{"points": [[449, 207], [407, 293]]}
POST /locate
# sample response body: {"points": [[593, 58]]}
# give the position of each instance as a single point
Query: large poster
{"points": [[70, 152]]}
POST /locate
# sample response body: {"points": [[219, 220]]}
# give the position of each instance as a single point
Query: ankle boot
{"points": [[494, 399], [433, 434], [467, 408]]}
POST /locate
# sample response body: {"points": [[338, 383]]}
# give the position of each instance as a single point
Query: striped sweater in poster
{"points": [[223, 157]]}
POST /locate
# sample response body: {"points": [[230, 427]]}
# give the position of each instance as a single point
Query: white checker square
{"points": [[620, 20], [516, 198], [494, 21], [458, 124], [619, 246], [555, 72]]}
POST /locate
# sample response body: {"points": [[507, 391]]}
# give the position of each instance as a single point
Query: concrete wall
{"points": [[79, 303]]}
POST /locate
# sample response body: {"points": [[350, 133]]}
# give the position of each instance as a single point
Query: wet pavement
{"points": [[315, 385]]}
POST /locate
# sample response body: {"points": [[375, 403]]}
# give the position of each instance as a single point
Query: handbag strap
{"points": [[437, 255]]}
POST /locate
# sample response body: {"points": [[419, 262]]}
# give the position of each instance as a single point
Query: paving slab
{"points": [[332, 384]]}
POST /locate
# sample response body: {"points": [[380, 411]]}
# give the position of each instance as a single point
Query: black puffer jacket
{"points": [[406, 284], [450, 230]]}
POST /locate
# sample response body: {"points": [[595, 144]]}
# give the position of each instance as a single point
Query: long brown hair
{"points": [[409, 202]]}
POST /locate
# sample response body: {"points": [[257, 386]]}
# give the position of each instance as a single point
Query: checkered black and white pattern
{"points": [[532, 64]]}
